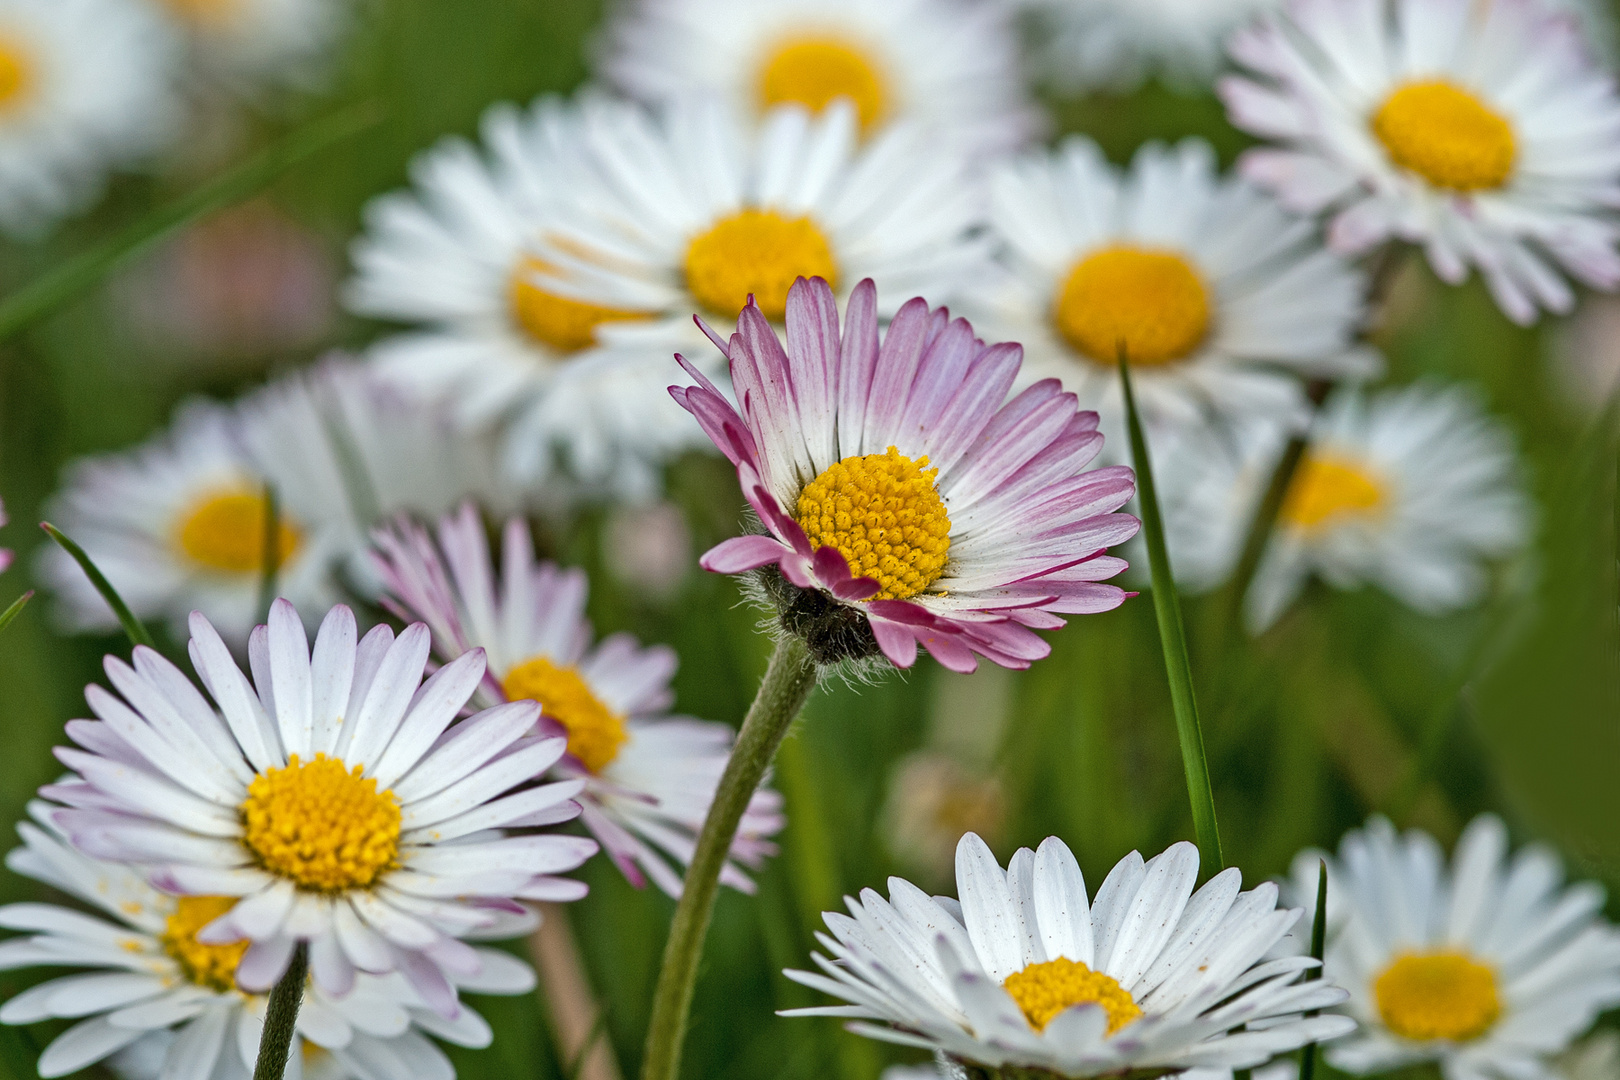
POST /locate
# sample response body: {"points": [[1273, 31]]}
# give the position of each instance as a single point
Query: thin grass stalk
{"points": [[1307, 1057], [578, 1021], [281, 1017], [788, 681], [133, 628], [15, 609], [1173, 638], [272, 547], [56, 287]]}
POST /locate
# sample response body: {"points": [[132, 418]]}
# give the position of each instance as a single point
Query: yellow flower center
{"points": [[321, 824], [1046, 989], [884, 515], [16, 73], [213, 966], [202, 12], [595, 732], [563, 323], [1327, 490], [224, 530], [1437, 995], [1446, 135], [1153, 303], [814, 71], [758, 252]]}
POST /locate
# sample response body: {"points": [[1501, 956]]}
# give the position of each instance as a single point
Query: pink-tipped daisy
{"points": [[330, 795], [904, 499], [648, 776]]}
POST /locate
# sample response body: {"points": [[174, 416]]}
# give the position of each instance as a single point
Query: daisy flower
{"points": [[1488, 966], [329, 800], [161, 1003], [1222, 299], [1481, 130], [648, 777], [1116, 44], [251, 44], [903, 499], [84, 87], [951, 65], [456, 256], [1022, 972]]}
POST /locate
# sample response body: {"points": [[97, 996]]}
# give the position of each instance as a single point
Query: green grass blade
{"points": [[1173, 637], [272, 547], [15, 609], [1307, 1057], [45, 294], [126, 618]]}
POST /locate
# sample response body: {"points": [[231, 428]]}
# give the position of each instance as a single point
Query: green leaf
{"points": [[1307, 1058], [132, 626], [45, 294], [1173, 638], [15, 609]]}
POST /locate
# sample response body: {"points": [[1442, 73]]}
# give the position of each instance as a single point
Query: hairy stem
{"points": [[281, 1018]]}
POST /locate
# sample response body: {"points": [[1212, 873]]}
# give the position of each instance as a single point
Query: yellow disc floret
{"points": [[814, 71], [884, 515], [595, 732], [1446, 135], [758, 252], [213, 966], [1043, 990], [1330, 490], [16, 74], [224, 531], [561, 322], [1151, 303], [1437, 995], [321, 824]]}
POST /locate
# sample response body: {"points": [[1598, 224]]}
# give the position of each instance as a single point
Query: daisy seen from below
{"points": [[1022, 971], [253, 45], [1488, 966], [904, 499], [156, 1002], [85, 87], [949, 65], [1116, 44], [1222, 300], [456, 257], [329, 800], [1483, 132], [648, 776]]}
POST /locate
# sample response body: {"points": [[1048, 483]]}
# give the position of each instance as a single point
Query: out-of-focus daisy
{"points": [[933, 800], [458, 257], [1413, 490], [648, 548], [84, 86], [163, 1004], [330, 800], [1488, 967], [1022, 971], [949, 64], [5, 553], [251, 44], [1481, 130], [648, 777], [904, 498], [1221, 298], [178, 525], [1115, 44]]}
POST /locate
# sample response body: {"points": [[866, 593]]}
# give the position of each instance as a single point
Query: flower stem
{"points": [[281, 1018], [1307, 1057], [782, 693], [133, 628]]}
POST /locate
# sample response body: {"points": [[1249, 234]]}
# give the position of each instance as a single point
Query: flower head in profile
{"points": [[331, 800], [904, 499], [1482, 131], [1023, 971], [162, 1004], [648, 776], [1489, 966]]}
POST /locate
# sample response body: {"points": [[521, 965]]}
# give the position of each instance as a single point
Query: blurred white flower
{"points": [[251, 45], [649, 548], [933, 801]]}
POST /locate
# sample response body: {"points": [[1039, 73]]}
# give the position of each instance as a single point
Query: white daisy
{"points": [[1115, 44], [456, 256], [178, 525], [1488, 967], [951, 65], [330, 798], [250, 44], [1023, 972], [84, 87], [649, 776], [1480, 129], [160, 1003], [1222, 299]]}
